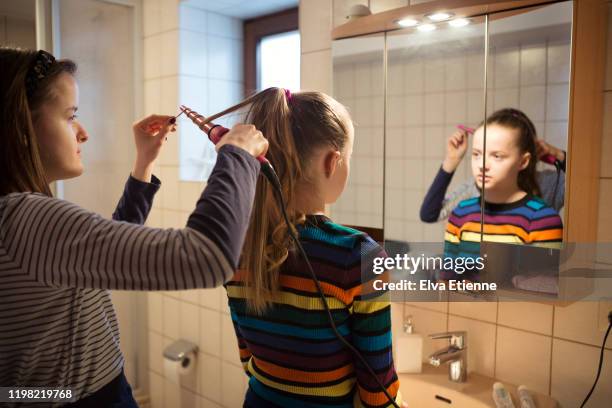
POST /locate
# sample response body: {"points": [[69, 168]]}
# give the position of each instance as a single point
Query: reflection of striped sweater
{"points": [[527, 221], [291, 354]]}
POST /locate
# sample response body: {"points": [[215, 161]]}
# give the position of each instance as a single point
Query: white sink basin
{"points": [[433, 389]]}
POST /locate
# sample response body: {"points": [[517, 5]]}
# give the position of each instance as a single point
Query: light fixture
{"points": [[426, 27], [439, 16], [459, 22], [408, 22]]}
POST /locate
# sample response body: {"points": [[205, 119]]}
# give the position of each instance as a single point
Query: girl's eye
{"points": [[73, 117]]}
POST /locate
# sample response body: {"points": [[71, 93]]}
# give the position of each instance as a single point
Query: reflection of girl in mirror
{"points": [[437, 206], [514, 213], [285, 343]]}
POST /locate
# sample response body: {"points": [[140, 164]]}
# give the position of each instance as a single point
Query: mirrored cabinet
{"points": [[447, 99]]}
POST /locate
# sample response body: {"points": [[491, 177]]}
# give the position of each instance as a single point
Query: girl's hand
{"points": [[455, 150], [246, 137], [150, 134], [543, 148]]}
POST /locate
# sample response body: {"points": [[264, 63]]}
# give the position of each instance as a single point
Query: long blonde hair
{"points": [[295, 125]]}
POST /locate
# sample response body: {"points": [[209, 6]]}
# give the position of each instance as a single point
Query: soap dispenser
{"points": [[409, 353]]}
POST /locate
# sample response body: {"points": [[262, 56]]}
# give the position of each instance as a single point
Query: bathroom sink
{"points": [[432, 389]]}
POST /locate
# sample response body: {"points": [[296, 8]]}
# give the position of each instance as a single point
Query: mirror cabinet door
{"points": [[358, 79], [435, 87], [524, 145]]}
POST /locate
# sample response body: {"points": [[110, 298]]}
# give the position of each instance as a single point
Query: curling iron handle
{"points": [[549, 158], [216, 132]]}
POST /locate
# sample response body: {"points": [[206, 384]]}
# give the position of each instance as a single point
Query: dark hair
{"points": [[516, 119], [26, 79]]}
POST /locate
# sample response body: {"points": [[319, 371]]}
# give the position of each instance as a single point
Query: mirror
{"points": [[528, 74], [358, 78], [434, 84], [441, 81]]}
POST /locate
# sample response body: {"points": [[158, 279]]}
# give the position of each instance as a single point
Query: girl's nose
{"points": [[82, 135]]}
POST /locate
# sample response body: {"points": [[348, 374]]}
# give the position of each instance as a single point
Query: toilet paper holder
{"points": [[179, 351]]}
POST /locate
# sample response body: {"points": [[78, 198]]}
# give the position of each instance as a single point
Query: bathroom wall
{"points": [[554, 350], [191, 57]]}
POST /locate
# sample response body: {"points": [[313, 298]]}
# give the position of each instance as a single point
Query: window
{"points": [[278, 60], [272, 52]]}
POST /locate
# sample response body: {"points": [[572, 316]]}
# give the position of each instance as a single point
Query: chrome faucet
{"points": [[455, 354]]}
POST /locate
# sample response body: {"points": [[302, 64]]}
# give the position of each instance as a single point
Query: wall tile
{"points": [[168, 54], [531, 101], [155, 311], [315, 72], [533, 317], [171, 320], [152, 61], [480, 342], [169, 15], [506, 68], [523, 358], [190, 322], [210, 332], [229, 344], [156, 350], [224, 26], [579, 322], [172, 394], [379, 6], [233, 381], [557, 107], [156, 390], [151, 16], [466, 306], [191, 18], [315, 25], [212, 298], [533, 65], [558, 63], [194, 53], [152, 96], [189, 399], [224, 58], [570, 386], [209, 371]]}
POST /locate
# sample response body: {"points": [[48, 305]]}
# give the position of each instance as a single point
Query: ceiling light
{"points": [[439, 16], [408, 22], [426, 27], [459, 22]]}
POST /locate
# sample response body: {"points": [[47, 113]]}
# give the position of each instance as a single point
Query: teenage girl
{"points": [[58, 261], [284, 337], [513, 211], [436, 206]]}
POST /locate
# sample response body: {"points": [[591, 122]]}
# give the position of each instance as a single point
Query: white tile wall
{"points": [[187, 54]]}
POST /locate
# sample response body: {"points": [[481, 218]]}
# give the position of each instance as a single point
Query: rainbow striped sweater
{"points": [[291, 354], [528, 221]]}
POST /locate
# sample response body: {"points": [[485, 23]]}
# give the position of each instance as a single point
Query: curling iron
{"points": [[547, 158], [216, 132]]}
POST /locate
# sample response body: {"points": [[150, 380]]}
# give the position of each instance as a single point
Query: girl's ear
{"points": [[331, 162], [525, 160]]}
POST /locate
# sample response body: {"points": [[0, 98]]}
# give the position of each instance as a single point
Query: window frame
{"points": [[257, 28]]}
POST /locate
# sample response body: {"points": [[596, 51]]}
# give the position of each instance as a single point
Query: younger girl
{"points": [[286, 344], [513, 211]]}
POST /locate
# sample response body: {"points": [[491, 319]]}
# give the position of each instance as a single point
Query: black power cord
{"points": [[273, 178], [601, 356]]}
